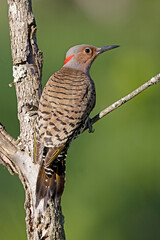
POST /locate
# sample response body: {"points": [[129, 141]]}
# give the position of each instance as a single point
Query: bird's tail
{"points": [[50, 183]]}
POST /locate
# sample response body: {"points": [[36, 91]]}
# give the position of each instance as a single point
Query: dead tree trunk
{"points": [[17, 155]]}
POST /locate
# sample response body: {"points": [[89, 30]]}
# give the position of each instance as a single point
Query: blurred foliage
{"points": [[113, 176]]}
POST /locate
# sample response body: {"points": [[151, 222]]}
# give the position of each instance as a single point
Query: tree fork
{"points": [[27, 73]]}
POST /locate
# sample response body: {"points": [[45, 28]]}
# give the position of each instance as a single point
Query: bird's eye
{"points": [[87, 50]]}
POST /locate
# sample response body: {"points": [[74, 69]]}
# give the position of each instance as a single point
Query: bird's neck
{"points": [[73, 71], [75, 65]]}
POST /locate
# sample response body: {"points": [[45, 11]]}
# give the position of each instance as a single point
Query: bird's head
{"points": [[80, 57]]}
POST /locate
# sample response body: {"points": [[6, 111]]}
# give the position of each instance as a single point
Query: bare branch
{"points": [[120, 102], [7, 150]]}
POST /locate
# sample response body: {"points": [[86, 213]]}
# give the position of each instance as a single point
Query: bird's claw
{"points": [[91, 130]]}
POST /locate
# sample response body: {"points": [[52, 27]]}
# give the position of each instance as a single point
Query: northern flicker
{"points": [[64, 108]]}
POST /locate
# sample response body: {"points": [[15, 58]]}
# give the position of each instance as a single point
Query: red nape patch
{"points": [[68, 59]]}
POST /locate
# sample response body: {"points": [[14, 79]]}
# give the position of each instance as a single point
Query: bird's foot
{"points": [[89, 125]]}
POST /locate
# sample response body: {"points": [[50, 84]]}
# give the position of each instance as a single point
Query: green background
{"points": [[113, 176]]}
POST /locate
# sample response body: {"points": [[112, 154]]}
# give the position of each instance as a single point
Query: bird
{"points": [[63, 113]]}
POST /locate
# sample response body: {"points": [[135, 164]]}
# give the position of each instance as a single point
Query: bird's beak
{"points": [[105, 48]]}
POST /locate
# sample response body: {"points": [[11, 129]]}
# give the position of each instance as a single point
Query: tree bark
{"points": [[17, 155]]}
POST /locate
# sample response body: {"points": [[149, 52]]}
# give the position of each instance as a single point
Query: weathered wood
{"points": [[27, 67], [17, 155]]}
